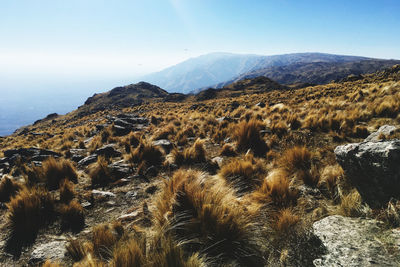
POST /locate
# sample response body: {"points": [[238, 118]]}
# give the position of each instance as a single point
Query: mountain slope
{"points": [[122, 97], [316, 72], [214, 68]]}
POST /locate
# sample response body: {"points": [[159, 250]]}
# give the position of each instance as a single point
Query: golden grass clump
{"points": [[105, 237], [49, 263], [285, 221], [329, 179], [194, 154], [8, 188], [100, 173], [276, 190], [228, 151], [128, 253], [67, 192], [28, 211], [244, 175], [148, 154], [207, 217], [351, 204], [247, 136], [72, 216], [78, 250], [53, 171]]}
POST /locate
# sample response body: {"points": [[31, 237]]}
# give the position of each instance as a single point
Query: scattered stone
{"points": [[218, 161], [386, 130], [355, 242], [373, 168], [53, 251], [165, 144], [120, 169], [86, 205], [32, 153], [108, 151], [129, 216], [98, 193], [88, 160], [260, 104], [131, 195]]}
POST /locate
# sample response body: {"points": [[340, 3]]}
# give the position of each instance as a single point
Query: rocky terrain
{"points": [[254, 174]]}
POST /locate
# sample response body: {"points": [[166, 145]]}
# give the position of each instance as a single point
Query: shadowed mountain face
{"points": [[211, 69], [317, 72], [122, 97]]}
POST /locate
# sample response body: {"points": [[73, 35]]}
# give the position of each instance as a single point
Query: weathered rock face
{"points": [[108, 151], [356, 242], [54, 251], [373, 168], [385, 130]]}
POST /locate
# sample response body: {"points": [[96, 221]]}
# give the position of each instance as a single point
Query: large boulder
{"points": [[373, 168], [356, 242]]}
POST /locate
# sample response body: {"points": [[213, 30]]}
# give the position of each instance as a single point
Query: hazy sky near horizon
{"points": [[95, 39]]}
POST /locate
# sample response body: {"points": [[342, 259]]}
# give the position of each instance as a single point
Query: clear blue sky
{"points": [[120, 38]]}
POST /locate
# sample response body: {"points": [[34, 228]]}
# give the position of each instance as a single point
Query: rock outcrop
{"points": [[373, 168], [356, 242]]}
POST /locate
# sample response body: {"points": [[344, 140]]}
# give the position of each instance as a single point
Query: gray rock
{"points": [[385, 129], [88, 160], [355, 242], [165, 144], [218, 161], [373, 168], [53, 251], [120, 169], [260, 104], [108, 151], [98, 193]]}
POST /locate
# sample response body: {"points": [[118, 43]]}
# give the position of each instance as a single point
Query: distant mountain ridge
{"points": [[315, 73], [217, 68]]}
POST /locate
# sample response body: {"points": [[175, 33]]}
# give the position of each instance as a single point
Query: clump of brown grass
{"points": [[228, 150], [285, 221], [247, 136], [90, 261], [245, 175], [329, 179], [8, 188], [129, 253], [28, 211], [351, 204], [105, 237], [100, 173], [67, 192], [72, 216], [132, 140], [298, 160], [165, 132], [194, 154], [193, 208], [276, 190], [148, 154], [78, 250], [279, 128], [49, 263], [53, 171]]}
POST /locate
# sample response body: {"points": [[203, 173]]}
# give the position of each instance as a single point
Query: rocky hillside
{"points": [[256, 174], [316, 72]]}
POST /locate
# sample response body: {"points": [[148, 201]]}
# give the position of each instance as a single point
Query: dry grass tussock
{"points": [[53, 171], [28, 211], [276, 190], [100, 173], [191, 155], [147, 154], [207, 217], [8, 188], [72, 216], [244, 175], [351, 204], [247, 136], [67, 192]]}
